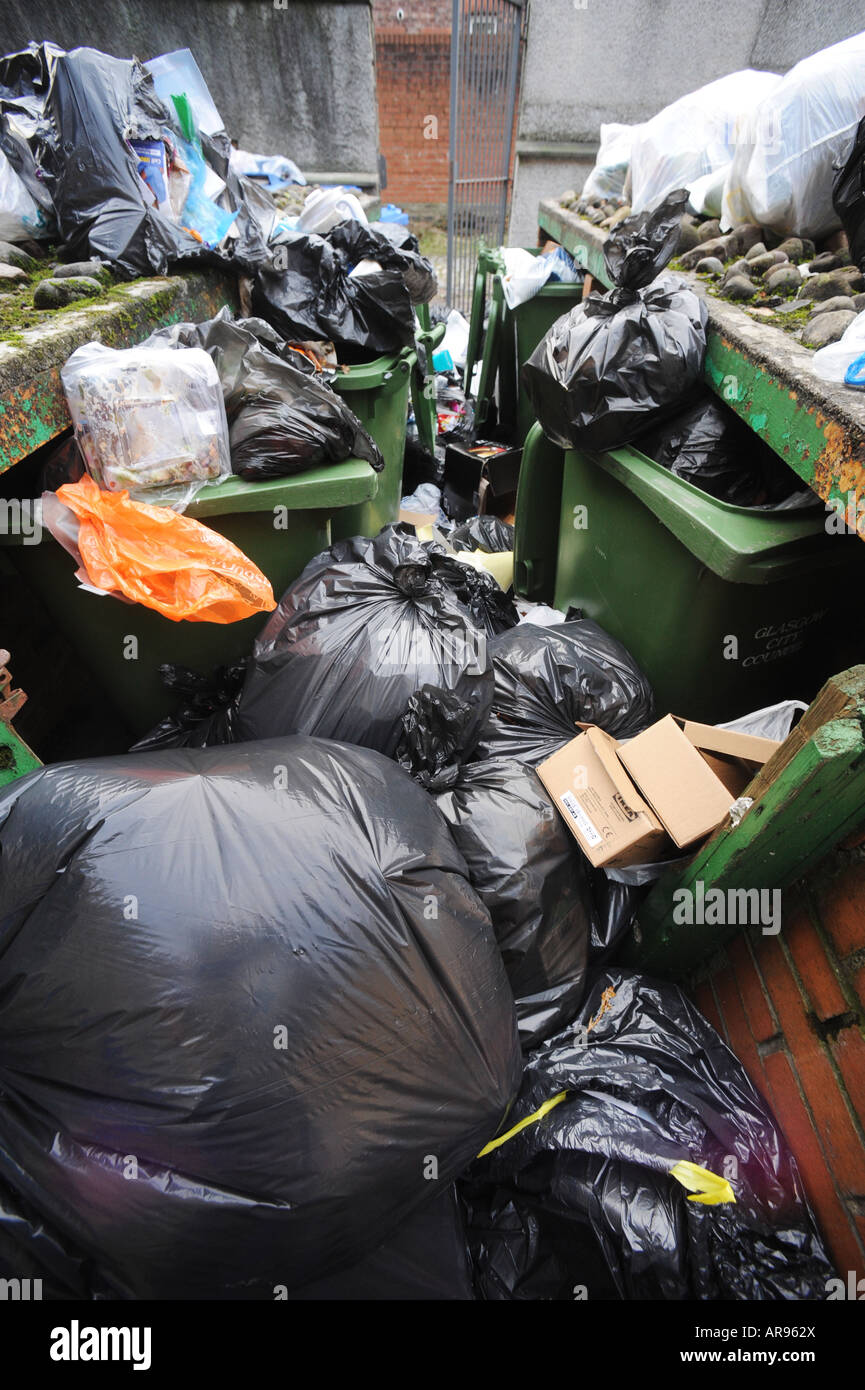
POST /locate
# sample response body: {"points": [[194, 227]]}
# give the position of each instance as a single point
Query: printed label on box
{"points": [[575, 810]]}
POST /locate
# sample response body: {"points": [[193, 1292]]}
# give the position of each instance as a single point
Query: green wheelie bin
{"points": [[511, 337], [377, 392], [725, 608], [279, 524]]}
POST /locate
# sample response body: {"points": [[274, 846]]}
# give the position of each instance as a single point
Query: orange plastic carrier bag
{"points": [[157, 557]]}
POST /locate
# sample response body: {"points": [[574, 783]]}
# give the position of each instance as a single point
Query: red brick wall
{"points": [[792, 1008], [413, 79], [417, 14]]}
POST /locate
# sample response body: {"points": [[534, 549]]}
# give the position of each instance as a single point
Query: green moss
{"points": [[18, 312]]}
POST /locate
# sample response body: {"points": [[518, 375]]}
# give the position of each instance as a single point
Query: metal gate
{"points": [[485, 61]]}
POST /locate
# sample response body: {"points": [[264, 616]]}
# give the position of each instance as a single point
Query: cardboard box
{"points": [[600, 804], [692, 773]]}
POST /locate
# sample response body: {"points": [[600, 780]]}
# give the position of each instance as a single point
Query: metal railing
{"points": [[486, 42]]}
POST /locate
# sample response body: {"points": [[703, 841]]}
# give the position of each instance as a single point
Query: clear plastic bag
{"points": [[783, 165], [607, 179], [20, 215], [694, 135], [148, 419]]}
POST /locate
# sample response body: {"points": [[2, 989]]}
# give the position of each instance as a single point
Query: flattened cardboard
{"points": [[601, 806]]}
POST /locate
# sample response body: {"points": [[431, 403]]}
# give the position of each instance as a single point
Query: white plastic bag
{"points": [[526, 274], [20, 215], [695, 135], [782, 169], [258, 165], [456, 338], [149, 419], [607, 179], [832, 361], [325, 207]]}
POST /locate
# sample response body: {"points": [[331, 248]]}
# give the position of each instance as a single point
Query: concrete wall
{"points": [[591, 61], [297, 80]]}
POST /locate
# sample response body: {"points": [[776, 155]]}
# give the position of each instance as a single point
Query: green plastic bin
{"points": [[280, 542], [377, 392], [510, 339], [725, 608]]}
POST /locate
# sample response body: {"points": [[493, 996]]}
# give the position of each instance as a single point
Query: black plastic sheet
{"points": [[618, 362], [281, 418], [364, 627], [548, 679], [581, 1203], [232, 1028], [848, 196]]}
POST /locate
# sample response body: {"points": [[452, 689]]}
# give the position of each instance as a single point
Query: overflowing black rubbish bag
{"points": [[848, 196], [619, 361], [365, 626], [245, 994], [281, 418], [488, 534], [492, 609], [307, 291], [522, 860], [207, 709], [548, 679], [67, 121], [709, 446], [581, 1203]]}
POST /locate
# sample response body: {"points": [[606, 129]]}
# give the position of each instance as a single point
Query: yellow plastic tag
{"points": [[529, 1120], [703, 1185]]}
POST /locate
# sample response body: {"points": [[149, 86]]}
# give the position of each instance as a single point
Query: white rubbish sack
{"points": [[695, 135], [782, 169]]}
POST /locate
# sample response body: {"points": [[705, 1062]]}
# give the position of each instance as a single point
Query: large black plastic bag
{"points": [[527, 869], [848, 196], [93, 106], [709, 446], [281, 418], [364, 627], [584, 1196], [618, 361], [307, 292], [522, 860], [485, 533], [547, 679], [356, 242], [245, 994]]}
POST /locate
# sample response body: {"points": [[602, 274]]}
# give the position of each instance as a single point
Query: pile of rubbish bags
{"points": [[129, 163], [750, 147], [311, 991]]}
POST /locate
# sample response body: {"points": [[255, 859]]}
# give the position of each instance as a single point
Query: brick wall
{"points": [[792, 1008], [413, 79], [417, 14]]}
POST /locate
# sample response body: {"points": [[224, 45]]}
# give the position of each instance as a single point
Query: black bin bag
{"points": [[245, 994], [364, 627], [281, 418], [848, 196], [619, 361], [583, 1198], [547, 679], [522, 861], [709, 446]]}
